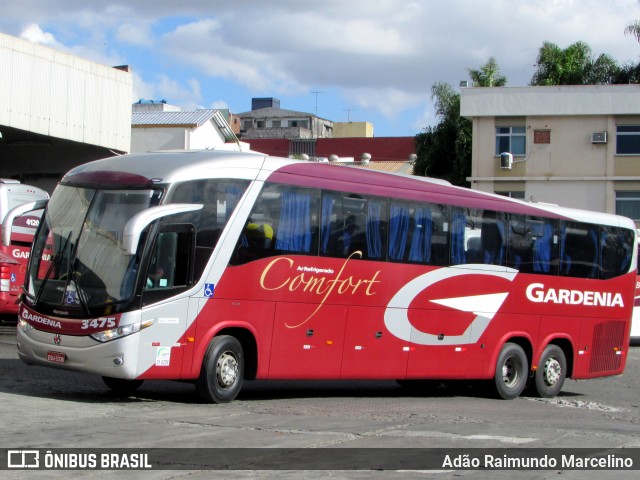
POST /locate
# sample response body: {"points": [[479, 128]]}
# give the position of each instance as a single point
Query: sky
{"points": [[343, 60]]}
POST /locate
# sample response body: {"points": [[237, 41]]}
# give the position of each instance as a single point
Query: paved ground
{"points": [[47, 408]]}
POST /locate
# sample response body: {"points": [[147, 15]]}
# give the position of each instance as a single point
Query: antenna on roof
{"points": [[316, 94], [348, 110]]}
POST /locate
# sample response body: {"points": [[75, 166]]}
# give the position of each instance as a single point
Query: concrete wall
{"points": [[352, 129]]}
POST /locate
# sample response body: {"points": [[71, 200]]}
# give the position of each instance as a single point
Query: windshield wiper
{"points": [[52, 265]]}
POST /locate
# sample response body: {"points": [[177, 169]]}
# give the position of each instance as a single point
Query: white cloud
{"points": [[33, 33]]}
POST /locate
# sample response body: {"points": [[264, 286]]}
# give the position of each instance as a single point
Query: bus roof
{"points": [[165, 167]]}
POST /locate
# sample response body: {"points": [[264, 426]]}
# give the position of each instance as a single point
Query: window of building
{"points": [[511, 139], [276, 123], [511, 194], [299, 123], [260, 124], [628, 204], [628, 139]]}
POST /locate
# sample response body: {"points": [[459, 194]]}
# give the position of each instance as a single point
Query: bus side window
{"points": [[579, 250], [352, 223], [520, 242], [171, 264], [219, 198], [296, 220], [615, 251], [284, 219], [458, 229], [493, 233]]}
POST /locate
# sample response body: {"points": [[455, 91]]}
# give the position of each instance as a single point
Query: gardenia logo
{"points": [[30, 317], [536, 293]]}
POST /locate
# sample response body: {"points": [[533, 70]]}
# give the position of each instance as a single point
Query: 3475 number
{"points": [[103, 322]]}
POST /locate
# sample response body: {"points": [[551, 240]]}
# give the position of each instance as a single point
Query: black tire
{"points": [[222, 370], [551, 372], [511, 372], [122, 387]]}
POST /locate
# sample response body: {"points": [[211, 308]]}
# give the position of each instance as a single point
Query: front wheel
{"points": [[222, 370], [511, 371], [551, 372]]}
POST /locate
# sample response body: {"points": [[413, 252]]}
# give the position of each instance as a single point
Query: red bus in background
{"points": [[219, 267], [15, 255]]}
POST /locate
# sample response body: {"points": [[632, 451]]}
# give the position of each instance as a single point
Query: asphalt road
{"points": [[47, 408]]}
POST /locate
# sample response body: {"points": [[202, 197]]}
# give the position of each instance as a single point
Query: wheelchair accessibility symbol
{"points": [[208, 289], [13, 277]]}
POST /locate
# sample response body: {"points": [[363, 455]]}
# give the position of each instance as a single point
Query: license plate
{"points": [[56, 357]]}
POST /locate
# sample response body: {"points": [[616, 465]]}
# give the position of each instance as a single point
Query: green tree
{"points": [[574, 65], [488, 75], [444, 151]]}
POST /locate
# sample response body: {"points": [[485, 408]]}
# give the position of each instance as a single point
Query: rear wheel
{"points": [[222, 370], [122, 387], [551, 372], [511, 371]]}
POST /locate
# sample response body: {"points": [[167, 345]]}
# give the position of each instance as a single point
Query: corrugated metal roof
{"points": [[195, 118]]}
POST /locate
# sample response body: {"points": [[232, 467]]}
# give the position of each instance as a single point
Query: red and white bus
{"points": [[14, 255], [219, 267], [635, 321]]}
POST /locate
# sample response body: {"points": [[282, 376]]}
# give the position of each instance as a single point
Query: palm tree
{"points": [[573, 65], [633, 29], [488, 75]]}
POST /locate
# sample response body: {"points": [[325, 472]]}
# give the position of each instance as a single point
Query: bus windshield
{"points": [[78, 260]]}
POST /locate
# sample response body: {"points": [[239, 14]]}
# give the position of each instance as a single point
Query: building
{"points": [[58, 111], [267, 120], [576, 146], [352, 129], [155, 125]]}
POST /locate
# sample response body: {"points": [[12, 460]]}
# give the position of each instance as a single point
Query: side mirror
{"points": [[137, 223], [7, 223]]}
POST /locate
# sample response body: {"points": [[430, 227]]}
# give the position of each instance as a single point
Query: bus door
{"points": [[170, 272]]}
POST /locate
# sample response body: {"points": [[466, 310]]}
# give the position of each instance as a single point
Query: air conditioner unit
{"points": [[506, 161], [599, 137]]}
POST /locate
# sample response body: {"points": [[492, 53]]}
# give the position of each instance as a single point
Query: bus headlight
{"points": [[122, 331], [23, 325]]}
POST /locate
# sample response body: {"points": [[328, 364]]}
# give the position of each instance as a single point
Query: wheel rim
{"points": [[552, 371], [511, 371], [227, 370]]}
